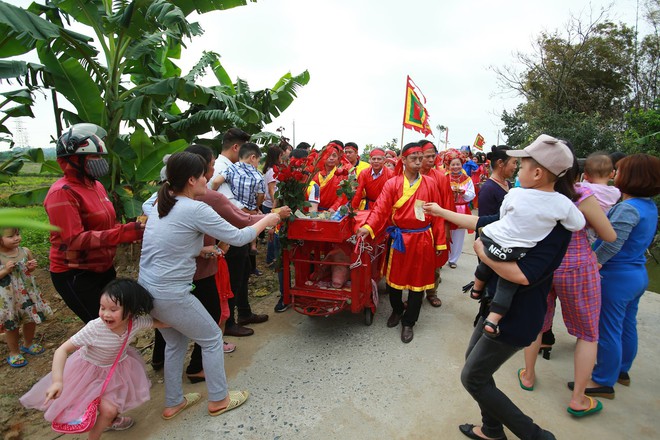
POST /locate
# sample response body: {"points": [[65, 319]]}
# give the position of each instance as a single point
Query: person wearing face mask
{"points": [[82, 252]]}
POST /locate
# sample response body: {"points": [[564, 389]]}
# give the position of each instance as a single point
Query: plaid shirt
{"points": [[246, 182]]}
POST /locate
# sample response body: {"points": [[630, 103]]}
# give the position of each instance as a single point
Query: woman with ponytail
{"points": [[172, 240]]}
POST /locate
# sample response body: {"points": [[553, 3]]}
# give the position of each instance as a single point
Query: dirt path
{"points": [[15, 421]]}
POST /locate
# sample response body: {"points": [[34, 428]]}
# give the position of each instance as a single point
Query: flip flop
{"points": [[16, 361], [236, 399], [434, 300], [191, 399], [594, 407], [34, 349], [520, 374]]}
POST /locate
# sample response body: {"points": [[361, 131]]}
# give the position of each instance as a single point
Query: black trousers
{"points": [[81, 290], [410, 315], [483, 358], [238, 263], [206, 292]]}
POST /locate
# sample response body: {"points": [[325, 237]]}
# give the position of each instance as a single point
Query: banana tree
{"points": [[132, 80]]}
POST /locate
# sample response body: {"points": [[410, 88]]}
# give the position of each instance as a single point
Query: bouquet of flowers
{"points": [[293, 181]]}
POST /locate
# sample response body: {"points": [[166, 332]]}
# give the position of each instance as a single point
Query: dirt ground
{"points": [[14, 382]]}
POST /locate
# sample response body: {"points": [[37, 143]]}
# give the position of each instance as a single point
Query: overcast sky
{"points": [[358, 53]]}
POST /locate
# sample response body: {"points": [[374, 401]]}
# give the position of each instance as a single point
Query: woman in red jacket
{"points": [[82, 252]]}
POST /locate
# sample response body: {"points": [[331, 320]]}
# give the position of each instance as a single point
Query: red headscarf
{"points": [[452, 154]]}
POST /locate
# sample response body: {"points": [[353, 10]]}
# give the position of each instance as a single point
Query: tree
{"points": [[132, 79], [577, 84]]}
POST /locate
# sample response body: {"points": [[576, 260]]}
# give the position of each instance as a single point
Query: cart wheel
{"points": [[368, 316]]}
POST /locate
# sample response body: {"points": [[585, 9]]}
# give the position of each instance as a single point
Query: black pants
{"points": [[505, 290], [483, 358], [238, 263], [81, 290], [410, 315]]}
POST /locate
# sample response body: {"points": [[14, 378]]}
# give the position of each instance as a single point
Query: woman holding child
{"points": [[577, 285], [624, 276], [173, 238]]}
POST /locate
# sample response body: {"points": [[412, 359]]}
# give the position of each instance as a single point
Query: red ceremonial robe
{"points": [[447, 202], [329, 184], [412, 269], [368, 188]]}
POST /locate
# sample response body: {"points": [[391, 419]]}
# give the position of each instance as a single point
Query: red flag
{"points": [[479, 142], [415, 115]]}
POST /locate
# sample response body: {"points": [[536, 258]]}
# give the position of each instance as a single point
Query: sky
{"points": [[359, 53]]}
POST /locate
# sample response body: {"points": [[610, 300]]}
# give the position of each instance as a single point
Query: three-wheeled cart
{"points": [[311, 241]]}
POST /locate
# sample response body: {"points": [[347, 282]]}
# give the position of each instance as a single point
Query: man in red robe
{"points": [[371, 180], [329, 177], [415, 237], [430, 154]]}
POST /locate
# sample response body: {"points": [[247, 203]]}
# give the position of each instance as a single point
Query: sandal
{"points": [[236, 399], [434, 300], [489, 324], [16, 361], [594, 407], [474, 293], [34, 349], [189, 400], [120, 423]]}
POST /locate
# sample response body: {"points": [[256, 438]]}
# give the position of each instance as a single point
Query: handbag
{"points": [[88, 419]]}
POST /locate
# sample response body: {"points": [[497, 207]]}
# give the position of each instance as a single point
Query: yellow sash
{"points": [[408, 192], [324, 180]]}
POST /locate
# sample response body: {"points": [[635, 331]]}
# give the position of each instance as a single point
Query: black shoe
{"points": [[624, 379], [196, 379], [252, 319], [604, 392], [281, 307], [257, 273], [406, 334], [468, 431], [157, 366], [238, 330], [393, 320]]}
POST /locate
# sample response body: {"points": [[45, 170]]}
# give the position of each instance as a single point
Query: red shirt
{"points": [[89, 232], [368, 188]]}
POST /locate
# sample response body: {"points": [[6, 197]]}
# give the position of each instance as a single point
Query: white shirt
{"points": [[268, 178], [221, 165], [100, 345], [527, 216]]}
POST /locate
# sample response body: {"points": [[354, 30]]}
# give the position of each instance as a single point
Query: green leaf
{"points": [[50, 167], [20, 218], [203, 121], [141, 144], [20, 96], [20, 30], [201, 6], [19, 110], [149, 168], [72, 80], [28, 198], [83, 11]]}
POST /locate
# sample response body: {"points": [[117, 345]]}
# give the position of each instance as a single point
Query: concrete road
{"points": [[336, 378]]}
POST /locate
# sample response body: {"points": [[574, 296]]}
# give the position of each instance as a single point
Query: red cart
{"points": [[312, 240]]}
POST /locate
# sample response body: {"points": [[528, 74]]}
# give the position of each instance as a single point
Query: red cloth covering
{"points": [[414, 268], [224, 287], [89, 232], [476, 180], [370, 189]]}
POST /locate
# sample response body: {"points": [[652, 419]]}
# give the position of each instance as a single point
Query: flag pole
{"points": [[405, 101]]}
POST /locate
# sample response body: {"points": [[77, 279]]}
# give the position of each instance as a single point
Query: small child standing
{"points": [[527, 216], [76, 380], [21, 302], [598, 170]]}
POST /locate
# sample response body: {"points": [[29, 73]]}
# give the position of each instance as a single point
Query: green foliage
{"points": [[140, 41], [643, 134]]}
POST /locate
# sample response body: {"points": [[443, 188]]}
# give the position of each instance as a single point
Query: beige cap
{"points": [[551, 153]]}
